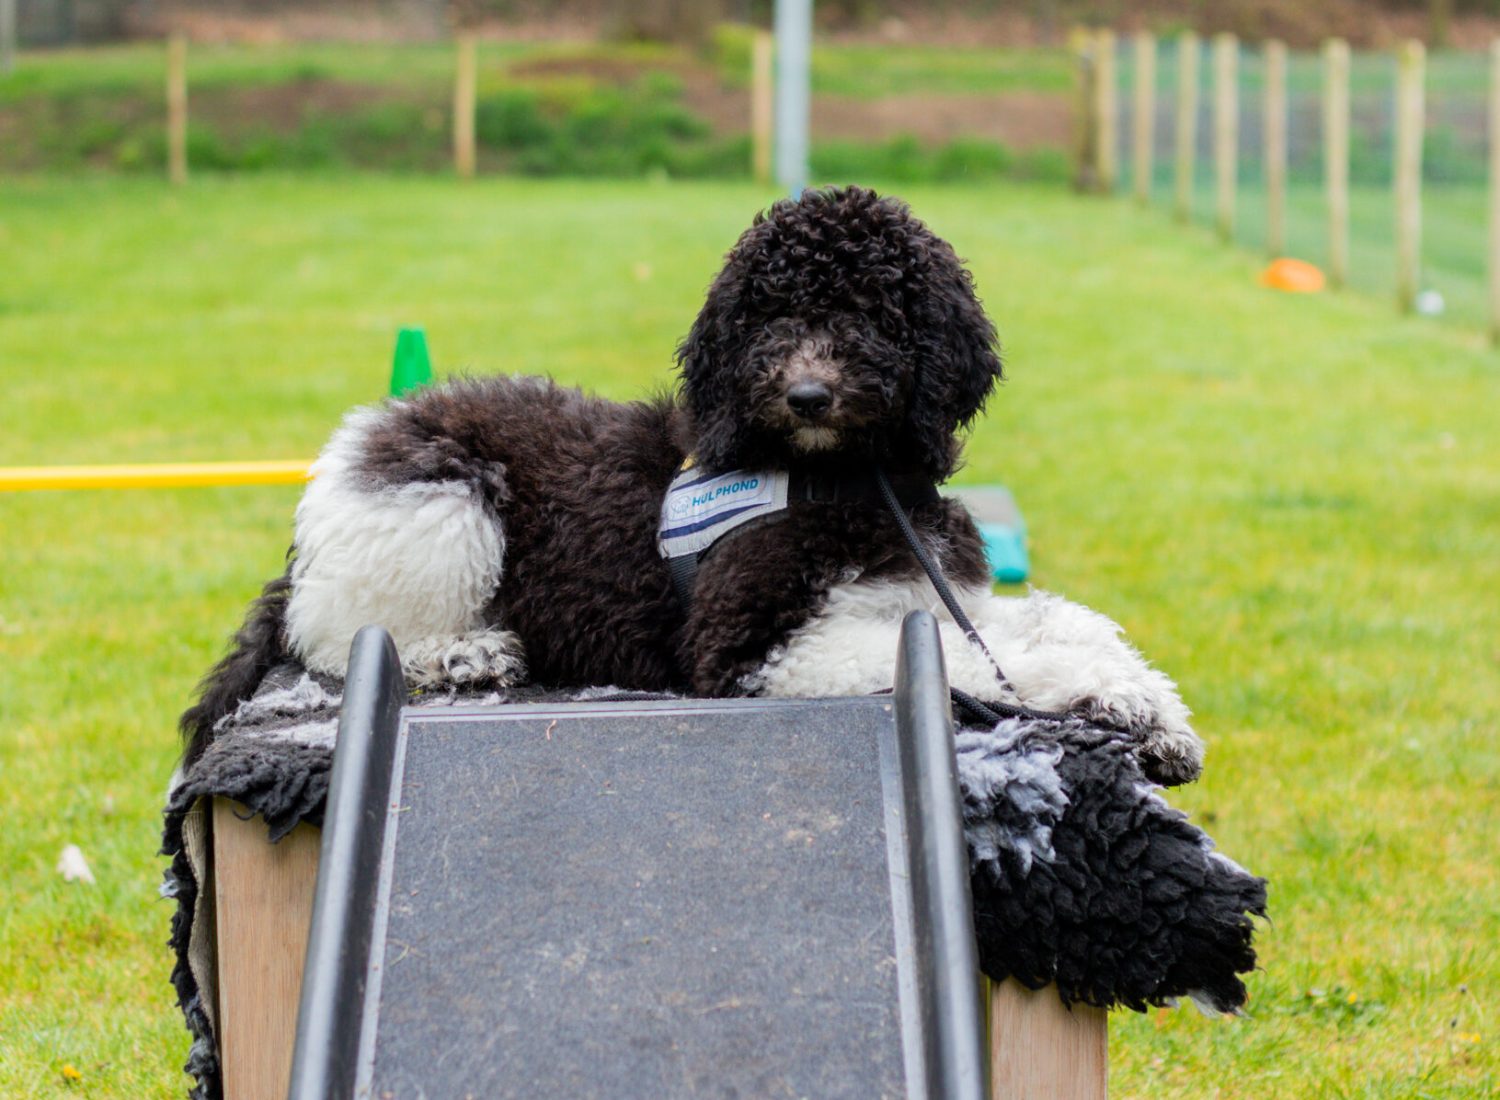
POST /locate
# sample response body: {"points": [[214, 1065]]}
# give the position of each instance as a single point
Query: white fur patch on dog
{"points": [[1057, 655], [421, 560]]}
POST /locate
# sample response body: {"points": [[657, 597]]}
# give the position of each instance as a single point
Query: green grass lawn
{"points": [[1292, 504]]}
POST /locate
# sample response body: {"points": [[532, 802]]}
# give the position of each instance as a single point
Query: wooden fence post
{"points": [[1085, 126], [762, 92], [1187, 121], [177, 164], [464, 94], [1226, 131], [1336, 156], [1106, 156], [1275, 147], [1145, 115], [1038, 1048], [1495, 191], [1409, 111], [7, 37]]}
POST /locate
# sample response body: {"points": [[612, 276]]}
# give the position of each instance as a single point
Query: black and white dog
{"points": [[503, 528]]}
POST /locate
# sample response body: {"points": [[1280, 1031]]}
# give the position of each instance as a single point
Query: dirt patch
{"points": [[1019, 120]]}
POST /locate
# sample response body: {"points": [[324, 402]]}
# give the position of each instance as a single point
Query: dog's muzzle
{"points": [[809, 401]]}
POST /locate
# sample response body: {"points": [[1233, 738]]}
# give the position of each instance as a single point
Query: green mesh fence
{"points": [[1454, 171]]}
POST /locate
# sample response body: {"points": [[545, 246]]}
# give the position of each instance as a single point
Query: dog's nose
{"points": [[810, 400]]}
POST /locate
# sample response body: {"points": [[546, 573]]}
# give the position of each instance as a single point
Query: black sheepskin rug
{"points": [[1082, 874]]}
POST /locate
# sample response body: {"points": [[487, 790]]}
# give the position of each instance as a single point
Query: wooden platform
{"points": [[263, 899]]}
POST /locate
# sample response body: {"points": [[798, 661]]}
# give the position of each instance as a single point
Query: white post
{"points": [[793, 92]]}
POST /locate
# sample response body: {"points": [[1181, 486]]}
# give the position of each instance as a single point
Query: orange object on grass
{"points": [[1293, 276]]}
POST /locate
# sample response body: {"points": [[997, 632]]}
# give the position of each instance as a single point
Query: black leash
{"points": [[987, 713]]}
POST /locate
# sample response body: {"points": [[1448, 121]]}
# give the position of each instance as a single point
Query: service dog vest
{"points": [[701, 508]]}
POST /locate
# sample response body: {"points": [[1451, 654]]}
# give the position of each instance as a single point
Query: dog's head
{"points": [[840, 329]]}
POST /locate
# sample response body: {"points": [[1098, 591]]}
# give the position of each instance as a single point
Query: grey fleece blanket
{"points": [[1082, 874]]}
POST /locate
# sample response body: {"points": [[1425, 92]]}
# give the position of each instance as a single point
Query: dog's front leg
{"points": [[1060, 656], [422, 560]]}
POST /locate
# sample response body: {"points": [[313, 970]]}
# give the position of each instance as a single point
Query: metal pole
{"points": [[793, 92]]}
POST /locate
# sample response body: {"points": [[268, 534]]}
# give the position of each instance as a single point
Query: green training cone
{"points": [[412, 367]]}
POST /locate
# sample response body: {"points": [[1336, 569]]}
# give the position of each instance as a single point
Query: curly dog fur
{"points": [[506, 527]]}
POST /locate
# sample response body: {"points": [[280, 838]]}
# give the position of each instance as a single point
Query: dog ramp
{"points": [[612, 900]]}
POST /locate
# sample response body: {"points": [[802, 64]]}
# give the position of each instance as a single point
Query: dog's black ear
{"points": [[707, 359], [957, 362]]}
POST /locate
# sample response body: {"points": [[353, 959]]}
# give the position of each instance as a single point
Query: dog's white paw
{"points": [[1061, 656], [490, 658], [1143, 703], [1169, 751]]}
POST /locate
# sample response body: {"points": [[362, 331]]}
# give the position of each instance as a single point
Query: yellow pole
{"points": [[171, 475]]}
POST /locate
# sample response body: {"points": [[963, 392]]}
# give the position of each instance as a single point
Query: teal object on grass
{"points": [[1002, 528]]}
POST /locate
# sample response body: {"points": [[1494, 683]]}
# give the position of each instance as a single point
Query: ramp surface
{"points": [[652, 899], [645, 902]]}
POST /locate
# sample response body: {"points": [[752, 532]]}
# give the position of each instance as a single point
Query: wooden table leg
{"points": [[1040, 1050], [263, 896]]}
